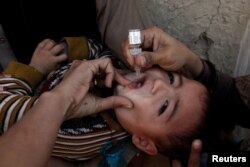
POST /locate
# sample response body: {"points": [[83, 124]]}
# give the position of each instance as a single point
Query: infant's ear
{"points": [[145, 144]]}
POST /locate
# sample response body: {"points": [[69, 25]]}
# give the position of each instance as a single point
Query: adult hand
{"points": [[47, 56], [194, 157], [77, 81], [165, 51]]}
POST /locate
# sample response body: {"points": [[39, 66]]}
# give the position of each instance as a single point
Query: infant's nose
{"points": [[158, 85]]}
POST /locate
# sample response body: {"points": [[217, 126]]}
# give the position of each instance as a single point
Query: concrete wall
{"points": [[212, 28]]}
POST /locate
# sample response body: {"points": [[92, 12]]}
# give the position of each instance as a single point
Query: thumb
{"points": [[176, 163], [146, 59], [194, 157], [113, 102]]}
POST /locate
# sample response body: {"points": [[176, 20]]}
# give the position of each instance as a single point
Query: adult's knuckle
{"points": [[155, 28], [40, 45], [75, 62], [51, 41], [108, 60]]}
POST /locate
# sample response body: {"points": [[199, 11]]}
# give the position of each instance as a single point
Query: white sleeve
{"points": [[243, 61]]}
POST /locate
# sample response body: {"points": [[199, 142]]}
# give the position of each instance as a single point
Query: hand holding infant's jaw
{"points": [[92, 104], [76, 83]]}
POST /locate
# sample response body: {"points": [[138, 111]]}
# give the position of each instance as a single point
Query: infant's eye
{"points": [[171, 77], [163, 107]]}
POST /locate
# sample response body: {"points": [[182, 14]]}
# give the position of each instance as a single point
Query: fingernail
{"points": [[197, 144]]}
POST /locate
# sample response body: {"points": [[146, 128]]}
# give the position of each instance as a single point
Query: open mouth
{"points": [[138, 83]]}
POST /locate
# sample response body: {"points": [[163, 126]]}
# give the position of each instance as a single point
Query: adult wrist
{"points": [[58, 100], [195, 65]]}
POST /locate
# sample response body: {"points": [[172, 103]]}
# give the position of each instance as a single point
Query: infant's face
{"points": [[163, 102]]}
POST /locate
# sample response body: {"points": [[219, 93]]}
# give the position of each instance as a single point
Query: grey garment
{"points": [[116, 17], [243, 61], [6, 53]]}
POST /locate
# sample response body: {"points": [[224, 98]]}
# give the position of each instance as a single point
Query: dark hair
{"points": [[178, 145], [214, 130]]}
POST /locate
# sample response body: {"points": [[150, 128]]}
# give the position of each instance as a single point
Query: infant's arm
{"points": [[16, 99], [25, 73]]}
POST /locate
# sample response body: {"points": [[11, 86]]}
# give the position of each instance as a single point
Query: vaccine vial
{"points": [[134, 37]]}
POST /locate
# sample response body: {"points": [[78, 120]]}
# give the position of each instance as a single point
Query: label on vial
{"points": [[134, 37], [135, 51]]}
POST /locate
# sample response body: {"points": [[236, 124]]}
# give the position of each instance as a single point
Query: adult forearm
{"points": [[30, 141]]}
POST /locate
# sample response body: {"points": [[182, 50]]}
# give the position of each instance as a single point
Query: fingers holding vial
{"points": [[134, 37]]}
